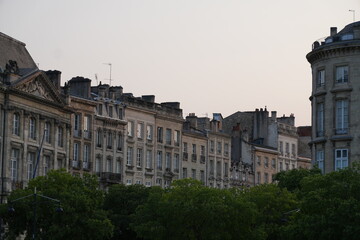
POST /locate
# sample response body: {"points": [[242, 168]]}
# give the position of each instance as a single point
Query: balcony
{"points": [[87, 134], [193, 157], [76, 164], [110, 177], [86, 165]]}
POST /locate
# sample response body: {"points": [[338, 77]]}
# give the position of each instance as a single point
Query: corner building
{"points": [[335, 102]]}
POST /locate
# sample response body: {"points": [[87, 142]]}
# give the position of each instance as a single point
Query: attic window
{"points": [[347, 37]]}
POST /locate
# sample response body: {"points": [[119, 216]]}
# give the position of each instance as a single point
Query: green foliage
{"points": [[80, 199], [121, 201], [272, 204], [291, 180], [189, 210], [330, 207]]}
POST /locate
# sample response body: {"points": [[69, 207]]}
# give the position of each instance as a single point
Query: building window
{"points": [[159, 181], [130, 129], [16, 124], [140, 131], [320, 120], [98, 138], [281, 148], [281, 168], [109, 165], [168, 161], [86, 157], [30, 165], [202, 150], [111, 111], [148, 159], [77, 127], [211, 167], [226, 169], [258, 180], [120, 113], [118, 166], [46, 164], [342, 116], [176, 138], [87, 127], [100, 109], [159, 160], [47, 132], [194, 149], [212, 145], [202, 176], [342, 74], [219, 145], [218, 169], [287, 149], [128, 182], [98, 164], [120, 141], [129, 158], [320, 81], [14, 164], [266, 162], [226, 149], [148, 184], [76, 152], [139, 156], [149, 132], [266, 176], [60, 140], [293, 150], [32, 128], [184, 173], [168, 136], [193, 173], [109, 140], [185, 147], [160, 134], [273, 163], [341, 159], [176, 162], [258, 160]]}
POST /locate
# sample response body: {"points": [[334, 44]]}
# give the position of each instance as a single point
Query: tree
{"points": [[330, 207], [291, 180], [121, 201], [82, 218], [189, 210], [273, 204]]}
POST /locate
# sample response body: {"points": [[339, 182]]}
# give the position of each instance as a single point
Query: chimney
{"points": [[80, 87], [273, 116], [55, 77], [148, 98], [192, 118], [333, 31]]}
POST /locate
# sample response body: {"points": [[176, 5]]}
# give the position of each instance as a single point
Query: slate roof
{"points": [[12, 49]]}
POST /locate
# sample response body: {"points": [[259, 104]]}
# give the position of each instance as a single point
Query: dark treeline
{"points": [[303, 204]]}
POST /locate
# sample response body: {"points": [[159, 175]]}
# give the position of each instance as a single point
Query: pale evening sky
{"points": [[209, 55]]}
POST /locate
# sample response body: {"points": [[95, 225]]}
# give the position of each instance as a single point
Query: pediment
{"points": [[39, 86]]}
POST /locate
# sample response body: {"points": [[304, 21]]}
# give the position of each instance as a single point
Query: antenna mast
{"points": [[110, 65], [353, 11]]}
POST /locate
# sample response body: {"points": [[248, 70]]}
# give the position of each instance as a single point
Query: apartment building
{"points": [[334, 99]]}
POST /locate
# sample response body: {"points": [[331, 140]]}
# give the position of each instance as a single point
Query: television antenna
{"points": [[353, 11], [110, 65], [96, 78]]}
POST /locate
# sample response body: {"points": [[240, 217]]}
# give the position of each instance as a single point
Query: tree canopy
{"points": [[81, 201]]}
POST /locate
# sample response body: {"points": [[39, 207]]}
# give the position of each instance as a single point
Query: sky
{"points": [[212, 56]]}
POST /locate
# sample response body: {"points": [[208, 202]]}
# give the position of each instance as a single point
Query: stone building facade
{"points": [[334, 99], [35, 129]]}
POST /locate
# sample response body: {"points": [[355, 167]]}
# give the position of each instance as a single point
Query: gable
{"points": [[39, 86]]}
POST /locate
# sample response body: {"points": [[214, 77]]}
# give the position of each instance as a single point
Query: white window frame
{"points": [[341, 158], [342, 116]]}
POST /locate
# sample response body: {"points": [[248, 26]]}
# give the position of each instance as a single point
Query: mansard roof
{"points": [[14, 50]]}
